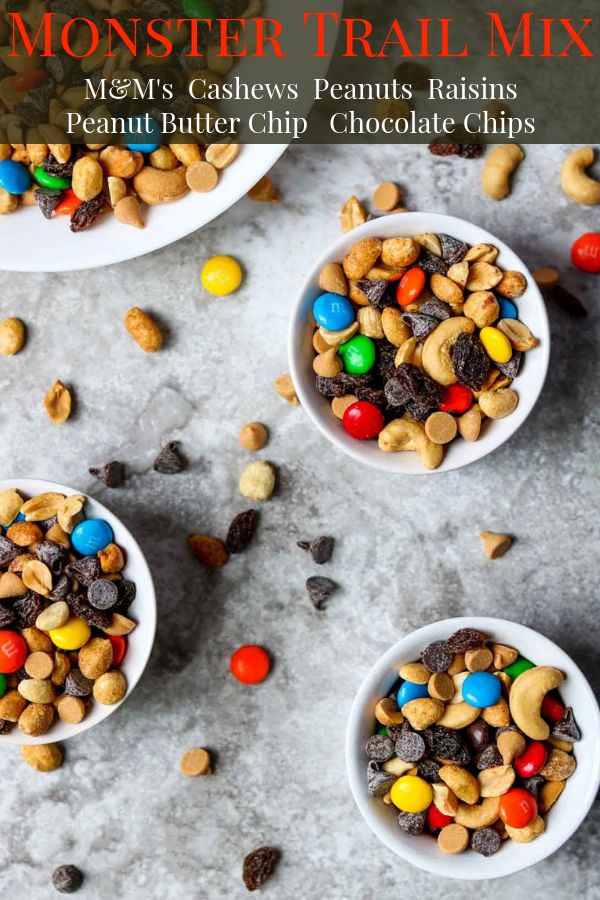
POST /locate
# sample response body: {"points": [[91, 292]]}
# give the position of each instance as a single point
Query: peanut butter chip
{"points": [[441, 428], [545, 277], [339, 405], [195, 762], [453, 838], [478, 659], [39, 665], [202, 177], [70, 709], [387, 196], [253, 436], [495, 545]]}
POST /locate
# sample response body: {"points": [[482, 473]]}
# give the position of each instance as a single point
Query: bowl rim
{"points": [[29, 486], [309, 399], [355, 761]]}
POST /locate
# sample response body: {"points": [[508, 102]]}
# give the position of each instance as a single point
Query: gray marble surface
{"points": [[407, 550]]}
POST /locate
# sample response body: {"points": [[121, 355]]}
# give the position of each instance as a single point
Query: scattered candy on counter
{"points": [[495, 545], [320, 589], [409, 328], [67, 879], [195, 762], [284, 387], [58, 403], [253, 436], [585, 253], [221, 275], [320, 549], [472, 744], [250, 664], [63, 606], [258, 866]]}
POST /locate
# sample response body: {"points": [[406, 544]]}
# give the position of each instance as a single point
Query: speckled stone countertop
{"points": [[407, 552]]}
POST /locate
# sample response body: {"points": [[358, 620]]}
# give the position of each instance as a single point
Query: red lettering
{"points": [[321, 17], [575, 35], [263, 37], [525, 24], [130, 43], [445, 51], [396, 31], [45, 27], [94, 34], [153, 34], [352, 38], [234, 38]]}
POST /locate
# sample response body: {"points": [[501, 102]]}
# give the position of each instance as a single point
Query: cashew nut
{"points": [[461, 782], [458, 679], [531, 831], [397, 766], [526, 695], [155, 186], [403, 434], [438, 345], [499, 403], [575, 182], [496, 780], [481, 816], [445, 799], [499, 166], [459, 715]]}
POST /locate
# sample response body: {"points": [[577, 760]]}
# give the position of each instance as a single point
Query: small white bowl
{"points": [[532, 311], [563, 819], [142, 610]]}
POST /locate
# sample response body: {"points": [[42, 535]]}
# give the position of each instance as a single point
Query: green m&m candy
{"points": [[199, 9], [2, 685], [50, 181], [358, 355], [520, 665]]}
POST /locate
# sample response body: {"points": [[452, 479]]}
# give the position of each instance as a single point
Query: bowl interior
{"points": [[142, 610], [562, 820], [532, 311]]}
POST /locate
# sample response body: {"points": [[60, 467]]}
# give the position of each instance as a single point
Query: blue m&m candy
{"points": [[333, 312], [409, 691], [15, 178], [142, 127], [508, 309], [91, 535], [481, 689]]}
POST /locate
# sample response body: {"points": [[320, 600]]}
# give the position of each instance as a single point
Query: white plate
{"points": [[31, 243], [143, 611]]}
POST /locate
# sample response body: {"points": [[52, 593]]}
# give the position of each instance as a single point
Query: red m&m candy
{"points": [[250, 664], [531, 761], [457, 399], [13, 651], [552, 709], [585, 253], [410, 287], [517, 808], [363, 420], [119, 647], [437, 819]]}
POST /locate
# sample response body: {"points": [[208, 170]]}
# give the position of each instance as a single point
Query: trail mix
{"points": [[418, 341], [473, 744], [63, 613]]}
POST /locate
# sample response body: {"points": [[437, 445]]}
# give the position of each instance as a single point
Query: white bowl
{"points": [[143, 611], [31, 243], [563, 819], [532, 311]]}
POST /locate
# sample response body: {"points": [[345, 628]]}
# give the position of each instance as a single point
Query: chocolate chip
{"points": [[320, 590], [432, 264], [8, 551], [27, 609], [80, 608], [85, 570], [489, 757], [378, 782], [52, 555], [511, 368], [112, 474], [428, 770], [374, 290], [321, 549], [6, 727], [566, 728], [453, 250], [412, 823], [533, 784], [241, 531], [420, 325], [61, 588], [47, 199], [103, 594], [67, 879], [127, 594], [169, 461], [437, 657], [485, 841], [478, 734], [258, 866], [436, 308], [77, 685], [380, 748], [410, 747], [466, 639], [7, 616]]}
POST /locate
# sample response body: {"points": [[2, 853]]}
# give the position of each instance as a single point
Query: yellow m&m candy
{"points": [[221, 275], [411, 794], [497, 345], [71, 636]]}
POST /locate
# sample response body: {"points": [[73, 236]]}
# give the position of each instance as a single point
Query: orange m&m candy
{"points": [[250, 664]]}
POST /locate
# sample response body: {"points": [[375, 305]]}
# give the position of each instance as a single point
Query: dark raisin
{"points": [[27, 609], [386, 360], [127, 594], [47, 199], [373, 395], [420, 325], [7, 616], [485, 841], [471, 151], [6, 727], [453, 250], [112, 474], [432, 264], [436, 657], [419, 387], [470, 361], [169, 461], [60, 170], [395, 732], [478, 734], [410, 747], [511, 368], [378, 782], [428, 770], [67, 879], [395, 394], [440, 149], [52, 555], [466, 639], [533, 784], [375, 291], [412, 823], [87, 213], [489, 757], [103, 594], [447, 744], [61, 588], [258, 866], [436, 308], [85, 570], [241, 531], [566, 729], [352, 384], [320, 590], [380, 748], [80, 608], [8, 551], [77, 685], [329, 387], [568, 301]]}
